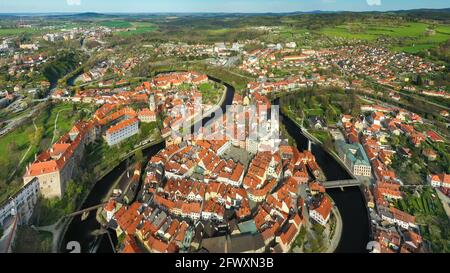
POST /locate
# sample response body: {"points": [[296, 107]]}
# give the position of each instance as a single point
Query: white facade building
{"points": [[21, 204], [122, 131]]}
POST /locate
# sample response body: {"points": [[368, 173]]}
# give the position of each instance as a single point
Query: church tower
{"points": [[151, 102]]}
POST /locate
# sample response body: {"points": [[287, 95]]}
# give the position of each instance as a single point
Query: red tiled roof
{"points": [[123, 124], [443, 178], [147, 113], [289, 235], [324, 208], [434, 136], [111, 205], [403, 216]]}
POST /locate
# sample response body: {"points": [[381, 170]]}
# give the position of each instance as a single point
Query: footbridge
{"points": [[341, 183], [85, 210]]}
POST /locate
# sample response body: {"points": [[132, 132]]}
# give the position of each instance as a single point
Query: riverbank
{"points": [[355, 225], [349, 201], [337, 232], [316, 141], [101, 177]]}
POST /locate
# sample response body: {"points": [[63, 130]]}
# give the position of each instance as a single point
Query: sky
{"points": [[40, 6]]}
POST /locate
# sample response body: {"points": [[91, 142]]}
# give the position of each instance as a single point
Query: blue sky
{"points": [[7, 6]]}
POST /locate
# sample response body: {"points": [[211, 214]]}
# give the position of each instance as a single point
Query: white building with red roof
{"points": [[322, 213], [146, 115], [439, 180], [121, 131]]}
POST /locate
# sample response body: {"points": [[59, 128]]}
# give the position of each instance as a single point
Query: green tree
{"points": [[139, 156]]}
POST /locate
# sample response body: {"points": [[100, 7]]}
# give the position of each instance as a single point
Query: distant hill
{"points": [[84, 16], [72, 16], [438, 14]]}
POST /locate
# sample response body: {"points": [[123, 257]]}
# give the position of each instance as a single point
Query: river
{"points": [[350, 202]]}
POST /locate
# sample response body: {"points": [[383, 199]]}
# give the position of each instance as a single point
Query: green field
{"points": [[18, 31], [371, 31], [343, 32], [414, 35], [138, 28], [116, 24], [444, 29]]}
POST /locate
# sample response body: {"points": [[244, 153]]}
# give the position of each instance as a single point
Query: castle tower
{"points": [[151, 102]]}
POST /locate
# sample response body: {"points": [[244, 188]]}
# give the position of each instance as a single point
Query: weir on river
{"points": [[350, 202]]}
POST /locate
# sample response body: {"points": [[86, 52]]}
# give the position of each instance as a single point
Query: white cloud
{"points": [[73, 2], [374, 2]]}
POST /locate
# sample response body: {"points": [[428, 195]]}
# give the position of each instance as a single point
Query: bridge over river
{"points": [[341, 183]]}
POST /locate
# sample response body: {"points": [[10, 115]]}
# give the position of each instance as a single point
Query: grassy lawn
{"points": [[211, 92], [323, 136], [21, 138], [14, 145], [66, 119], [147, 128]]}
